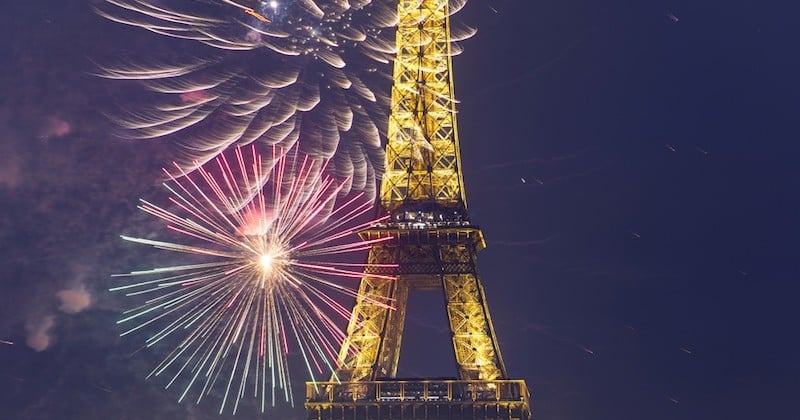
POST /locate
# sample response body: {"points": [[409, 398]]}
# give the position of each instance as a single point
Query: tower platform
{"points": [[505, 399]]}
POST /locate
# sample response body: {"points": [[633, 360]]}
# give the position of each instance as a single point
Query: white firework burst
{"points": [[276, 73], [260, 279], [279, 72]]}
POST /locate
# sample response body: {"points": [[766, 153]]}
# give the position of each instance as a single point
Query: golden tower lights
{"points": [[434, 247]]}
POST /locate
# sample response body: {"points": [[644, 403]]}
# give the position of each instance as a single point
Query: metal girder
{"points": [[376, 309], [429, 260], [474, 340], [423, 161]]}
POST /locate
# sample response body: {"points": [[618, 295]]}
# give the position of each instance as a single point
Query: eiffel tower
{"points": [[434, 247]]}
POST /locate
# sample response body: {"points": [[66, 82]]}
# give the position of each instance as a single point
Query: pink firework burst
{"points": [[262, 280]]}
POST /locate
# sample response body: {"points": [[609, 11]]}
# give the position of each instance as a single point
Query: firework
{"points": [[261, 279], [272, 73], [267, 72]]}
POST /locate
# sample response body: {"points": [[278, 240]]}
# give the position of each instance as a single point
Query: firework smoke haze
{"points": [[259, 280], [74, 300], [39, 336]]}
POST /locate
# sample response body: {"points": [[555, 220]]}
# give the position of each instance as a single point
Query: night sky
{"points": [[632, 166]]}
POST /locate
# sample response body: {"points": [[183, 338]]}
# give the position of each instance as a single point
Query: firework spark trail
{"points": [[277, 73], [261, 281]]}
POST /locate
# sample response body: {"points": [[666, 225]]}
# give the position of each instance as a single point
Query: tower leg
{"points": [[372, 345], [474, 342]]}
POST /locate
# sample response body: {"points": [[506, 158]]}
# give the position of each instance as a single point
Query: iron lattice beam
{"points": [[423, 158], [432, 259]]}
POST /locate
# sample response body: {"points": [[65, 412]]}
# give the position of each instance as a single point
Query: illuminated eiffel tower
{"points": [[434, 247]]}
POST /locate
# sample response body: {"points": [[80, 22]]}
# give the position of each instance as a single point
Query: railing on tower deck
{"points": [[417, 390]]}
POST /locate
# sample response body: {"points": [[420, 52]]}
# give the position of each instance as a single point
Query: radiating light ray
{"points": [[260, 276], [313, 72]]}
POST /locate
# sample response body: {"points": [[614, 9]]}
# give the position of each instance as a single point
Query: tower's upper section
{"points": [[423, 161]]}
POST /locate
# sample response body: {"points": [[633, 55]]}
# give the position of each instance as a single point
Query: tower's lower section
{"points": [[419, 250], [418, 399], [434, 256]]}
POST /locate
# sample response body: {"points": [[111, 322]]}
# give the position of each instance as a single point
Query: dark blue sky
{"points": [[646, 268]]}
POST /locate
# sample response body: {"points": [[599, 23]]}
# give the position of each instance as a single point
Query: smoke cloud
{"points": [[74, 300], [55, 127], [39, 337]]}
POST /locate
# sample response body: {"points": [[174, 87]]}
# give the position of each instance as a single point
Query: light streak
{"points": [[260, 281]]}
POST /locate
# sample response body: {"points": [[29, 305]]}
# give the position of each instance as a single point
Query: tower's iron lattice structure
{"points": [[434, 246]]}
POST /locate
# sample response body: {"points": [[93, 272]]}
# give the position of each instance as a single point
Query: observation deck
{"points": [[418, 399]]}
